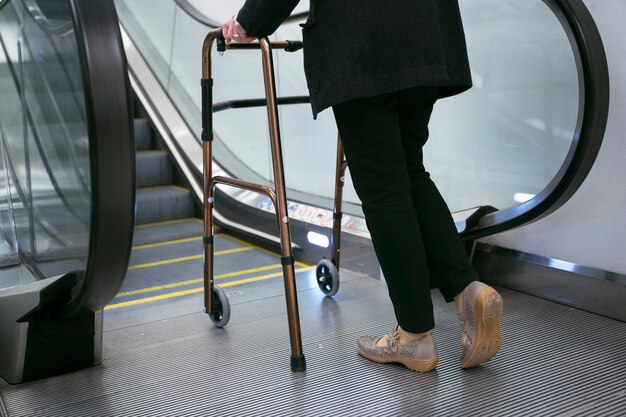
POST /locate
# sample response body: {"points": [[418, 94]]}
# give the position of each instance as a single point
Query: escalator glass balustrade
{"points": [[46, 143]]}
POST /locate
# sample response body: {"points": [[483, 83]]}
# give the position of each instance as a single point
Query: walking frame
{"points": [[215, 301]]}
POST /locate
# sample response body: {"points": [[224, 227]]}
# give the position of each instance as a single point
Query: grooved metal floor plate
{"points": [[556, 361]]}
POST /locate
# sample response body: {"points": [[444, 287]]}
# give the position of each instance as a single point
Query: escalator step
{"points": [[153, 168], [157, 204], [151, 233], [143, 135]]}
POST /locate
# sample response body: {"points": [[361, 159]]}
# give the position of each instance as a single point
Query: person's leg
{"points": [[446, 256], [373, 146], [372, 141], [478, 305]]}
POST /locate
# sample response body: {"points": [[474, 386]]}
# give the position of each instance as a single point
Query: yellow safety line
{"points": [[166, 187], [195, 290], [234, 239], [167, 242], [178, 187], [195, 281], [155, 298], [159, 287], [185, 258], [168, 222], [243, 242]]}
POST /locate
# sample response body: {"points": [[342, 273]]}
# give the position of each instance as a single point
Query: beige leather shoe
{"points": [[480, 322], [420, 356]]}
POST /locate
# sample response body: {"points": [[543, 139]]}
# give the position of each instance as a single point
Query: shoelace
{"points": [[392, 338]]}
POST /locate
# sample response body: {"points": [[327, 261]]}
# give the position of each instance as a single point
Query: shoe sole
{"points": [[488, 341], [413, 364]]}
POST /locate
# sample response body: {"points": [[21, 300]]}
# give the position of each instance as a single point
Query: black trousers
{"points": [[412, 230]]}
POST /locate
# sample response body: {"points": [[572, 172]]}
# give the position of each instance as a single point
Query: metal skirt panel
{"points": [[578, 286]]}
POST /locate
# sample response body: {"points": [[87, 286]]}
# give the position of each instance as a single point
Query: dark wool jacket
{"points": [[363, 48]]}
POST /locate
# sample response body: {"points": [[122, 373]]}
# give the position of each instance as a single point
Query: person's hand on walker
{"points": [[234, 32]]}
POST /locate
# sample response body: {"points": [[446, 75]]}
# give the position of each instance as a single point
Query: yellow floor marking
{"points": [[166, 187], [185, 258], [155, 298], [167, 242], [178, 187], [195, 290], [196, 281], [168, 222], [234, 239], [259, 278]]}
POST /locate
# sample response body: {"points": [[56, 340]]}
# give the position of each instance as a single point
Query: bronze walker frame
{"points": [[216, 304], [327, 272]]}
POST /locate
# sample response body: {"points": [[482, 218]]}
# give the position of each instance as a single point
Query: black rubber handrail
{"points": [[593, 73], [109, 112]]}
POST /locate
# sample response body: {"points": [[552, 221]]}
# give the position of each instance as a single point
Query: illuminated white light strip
{"points": [[318, 239]]}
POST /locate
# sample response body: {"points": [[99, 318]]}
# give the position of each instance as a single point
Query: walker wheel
{"points": [[220, 311], [327, 277]]}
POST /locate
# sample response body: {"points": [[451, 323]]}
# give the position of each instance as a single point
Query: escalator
{"points": [[163, 355], [68, 176]]}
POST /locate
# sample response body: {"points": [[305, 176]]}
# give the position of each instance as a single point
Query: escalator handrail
{"points": [[587, 45], [108, 104]]}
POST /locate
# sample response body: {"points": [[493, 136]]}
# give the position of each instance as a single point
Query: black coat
{"points": [[363, 48]]}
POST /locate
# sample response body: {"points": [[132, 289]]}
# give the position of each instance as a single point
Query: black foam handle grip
{"points": [[221, 44], [207, 109], [294, 46]]}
